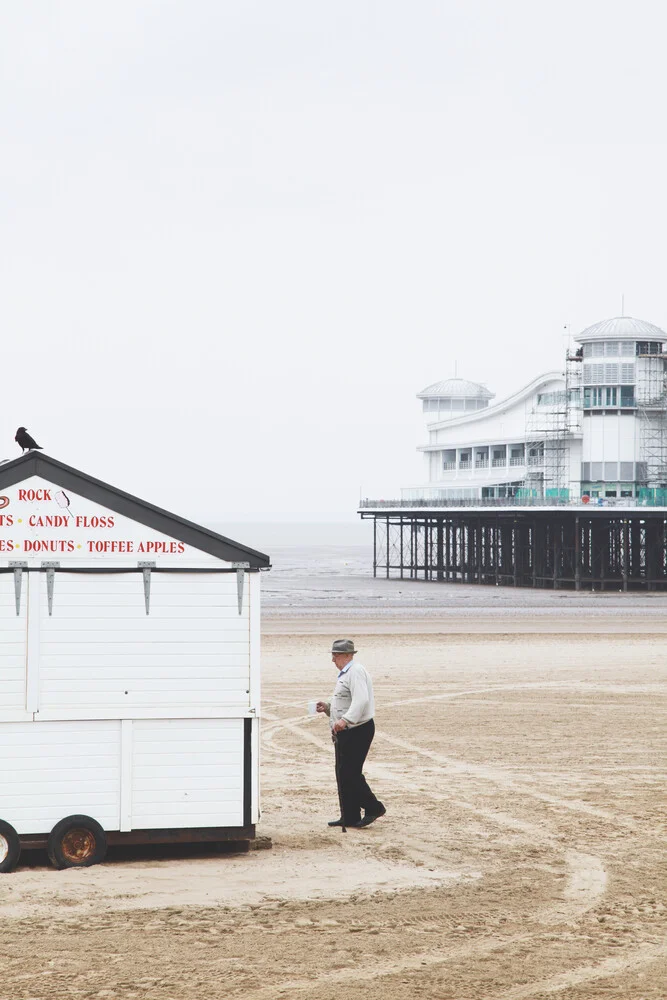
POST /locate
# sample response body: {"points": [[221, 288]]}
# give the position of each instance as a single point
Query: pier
{"points": [[582, 547]]}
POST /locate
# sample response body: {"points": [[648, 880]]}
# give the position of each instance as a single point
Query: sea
{"points": [[327, 569], [313, 549]]}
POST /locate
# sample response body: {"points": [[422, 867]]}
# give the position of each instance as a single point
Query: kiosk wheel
{"points": [[76, 842], [10, 847]]}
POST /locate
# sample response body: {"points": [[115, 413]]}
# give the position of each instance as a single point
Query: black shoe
{"points": [[368, 819], [335, 822]]}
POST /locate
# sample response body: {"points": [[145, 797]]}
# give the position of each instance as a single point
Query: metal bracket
{"points": [[18, 568], [50, 568], [146, 568], [240, 568]]}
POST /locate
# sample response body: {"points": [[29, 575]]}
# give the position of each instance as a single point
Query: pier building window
{"points": [[517, 456], [481, 458], [449, 459], [610, 349], [464, 460], [609, 395], [593, 396], [593, 374], [444, 405], [499, 457], [550, 398], [648, 347], [607, 473]]}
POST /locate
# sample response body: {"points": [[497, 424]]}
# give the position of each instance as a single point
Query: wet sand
{"points": [[522, 759]]}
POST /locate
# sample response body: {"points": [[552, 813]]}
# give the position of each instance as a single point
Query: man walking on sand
{"points": [[350, 712]]}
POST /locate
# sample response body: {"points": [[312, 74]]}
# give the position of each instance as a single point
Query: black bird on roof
{"points": [[25, 441]]}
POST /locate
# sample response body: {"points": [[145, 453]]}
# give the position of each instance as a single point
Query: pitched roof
{"points": [[35, 464]]}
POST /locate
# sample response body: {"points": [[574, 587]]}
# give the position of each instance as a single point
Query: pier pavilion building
{"points": [[595, 428], [564, 482]]}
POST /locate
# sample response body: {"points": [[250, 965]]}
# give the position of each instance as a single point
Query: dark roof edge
{"points": [[130, 506]]}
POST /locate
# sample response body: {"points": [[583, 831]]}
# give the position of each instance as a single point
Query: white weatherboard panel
{"points": [[93, 661], [187, 773], [55, 769], [13, 630]]}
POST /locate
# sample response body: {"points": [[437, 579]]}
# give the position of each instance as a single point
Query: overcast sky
{"points": [[237, 238]]}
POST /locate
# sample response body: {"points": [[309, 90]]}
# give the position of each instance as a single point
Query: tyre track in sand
{"points": [[450, 765], [584, 889], [644, 955], [498, 776], [421, 961], [545, 918], [587, 877]]}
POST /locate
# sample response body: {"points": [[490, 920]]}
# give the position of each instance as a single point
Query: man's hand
{"points": [[321, 706], [339, 726]]}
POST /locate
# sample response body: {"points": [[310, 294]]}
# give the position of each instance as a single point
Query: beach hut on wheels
{"points": [[129, 671]]}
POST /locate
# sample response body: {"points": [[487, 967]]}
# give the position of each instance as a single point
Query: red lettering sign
{"points": [[49, 521], [162, 548], [32, 495], [58, 545], [86, 521], [124, 546]]}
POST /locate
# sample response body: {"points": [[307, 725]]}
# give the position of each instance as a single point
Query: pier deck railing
{"points": [[510, 502]]}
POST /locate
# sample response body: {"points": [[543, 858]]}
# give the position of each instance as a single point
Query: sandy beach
{"points": [[522, 855]]}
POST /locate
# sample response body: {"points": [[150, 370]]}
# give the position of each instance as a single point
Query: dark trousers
{"points": [[351, 749]]}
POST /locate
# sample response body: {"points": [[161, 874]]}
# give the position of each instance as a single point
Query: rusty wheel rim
{"points": [[78, 845]]}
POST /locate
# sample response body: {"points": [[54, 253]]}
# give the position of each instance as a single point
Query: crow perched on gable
{"points": [[25, 441]]}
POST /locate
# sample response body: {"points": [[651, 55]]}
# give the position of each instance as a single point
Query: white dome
{"points": [[622, 328], [456, 388]]}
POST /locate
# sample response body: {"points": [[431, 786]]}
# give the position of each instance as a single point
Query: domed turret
{"points": [[622, 328], [454, 397]]}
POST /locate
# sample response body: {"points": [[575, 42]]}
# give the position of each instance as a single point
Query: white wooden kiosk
{"points": [[129, 671]]}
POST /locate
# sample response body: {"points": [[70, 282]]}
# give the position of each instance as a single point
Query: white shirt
{"points": [[352, 698]]}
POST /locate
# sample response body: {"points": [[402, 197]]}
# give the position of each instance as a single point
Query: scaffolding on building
{"points": [[651, 400], [551, 422]]}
